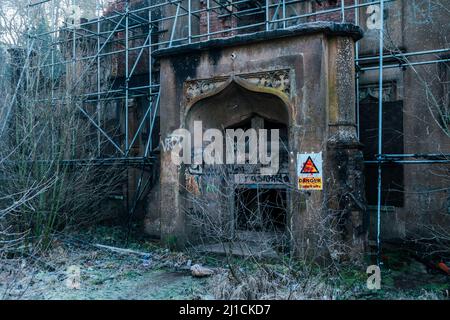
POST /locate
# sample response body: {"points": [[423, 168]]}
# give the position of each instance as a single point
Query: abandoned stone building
{"points": [[310, 69]]}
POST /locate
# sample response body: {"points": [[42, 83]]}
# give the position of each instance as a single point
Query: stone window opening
{"points": [[392, 181]]}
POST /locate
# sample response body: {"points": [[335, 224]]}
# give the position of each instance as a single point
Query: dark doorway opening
{"points": [[261, 210]]}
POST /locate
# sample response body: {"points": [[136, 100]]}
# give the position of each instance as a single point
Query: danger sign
{"points": [[309, 171]]}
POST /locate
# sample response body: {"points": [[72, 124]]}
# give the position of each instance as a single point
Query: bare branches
{"points": [[254, 222], [39, 191]]}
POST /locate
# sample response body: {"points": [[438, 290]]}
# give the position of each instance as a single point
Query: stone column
{"points": [[172, 215], [345, 189]]}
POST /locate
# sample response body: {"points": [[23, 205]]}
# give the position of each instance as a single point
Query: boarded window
{"points": [[392, 174]]}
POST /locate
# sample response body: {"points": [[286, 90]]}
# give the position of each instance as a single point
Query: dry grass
{"points": [[262, 285]]}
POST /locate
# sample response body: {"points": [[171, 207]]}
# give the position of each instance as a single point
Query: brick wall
{"points": [[322, 5], [216, 23]]}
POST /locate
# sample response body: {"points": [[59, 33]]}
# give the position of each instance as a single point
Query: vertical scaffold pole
{"points": [[190, 21], [380, 129], [127, 80], [357, 71], [150, 78], [97, 13], [208, 25]]}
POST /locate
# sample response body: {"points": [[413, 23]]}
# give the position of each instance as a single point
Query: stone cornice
{"points": [[327, 28]]}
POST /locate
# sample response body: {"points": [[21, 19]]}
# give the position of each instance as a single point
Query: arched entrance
{"points": [[301, 79], [239, 199]]}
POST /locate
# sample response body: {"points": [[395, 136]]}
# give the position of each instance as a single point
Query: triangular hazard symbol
{"points": [[309, 167]]}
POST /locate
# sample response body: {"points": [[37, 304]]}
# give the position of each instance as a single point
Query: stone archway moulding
{"points": [[275, 82]]}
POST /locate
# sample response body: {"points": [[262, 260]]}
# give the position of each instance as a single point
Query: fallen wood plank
{"points": [[122, 250]]}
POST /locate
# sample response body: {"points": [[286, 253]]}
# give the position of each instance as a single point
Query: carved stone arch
{"points": [[196, 90], [275, 82]]}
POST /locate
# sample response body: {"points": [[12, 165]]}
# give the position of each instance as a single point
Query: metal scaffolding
{"points": [[129, 31]]}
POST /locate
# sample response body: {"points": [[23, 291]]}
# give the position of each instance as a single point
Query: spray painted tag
{"points": [[309, 171]]}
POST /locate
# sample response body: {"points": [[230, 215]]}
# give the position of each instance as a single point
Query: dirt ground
{"points": [[101, 274], [77, 269], [123, 285]]}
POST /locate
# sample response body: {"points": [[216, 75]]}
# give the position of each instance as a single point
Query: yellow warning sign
{"points": [[310, 183], [309, 167], [309, 171]]}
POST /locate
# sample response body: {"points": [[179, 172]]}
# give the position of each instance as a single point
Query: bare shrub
{"points": [[212, 196], [266, 284], [44, 187], [432, 236]]}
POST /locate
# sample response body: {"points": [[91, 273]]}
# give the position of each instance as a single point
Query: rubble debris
{"points": [[199, 272], [147, 261]]}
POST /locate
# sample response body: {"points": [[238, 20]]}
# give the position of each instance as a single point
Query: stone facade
{"points": [[204, 71], [304, 77]]}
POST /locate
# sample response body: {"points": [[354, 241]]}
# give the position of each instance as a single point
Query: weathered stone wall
{"points": [[413, 26], [409, 26]]}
